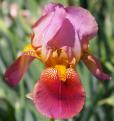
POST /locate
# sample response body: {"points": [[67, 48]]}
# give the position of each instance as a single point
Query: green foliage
{"points": [[14, 35]]}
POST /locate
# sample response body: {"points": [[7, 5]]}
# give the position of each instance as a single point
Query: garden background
{"points": [[16, 19]]}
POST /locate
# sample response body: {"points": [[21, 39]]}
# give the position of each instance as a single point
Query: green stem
{"points": [[52, 119], [22, 96], [70, 2]]}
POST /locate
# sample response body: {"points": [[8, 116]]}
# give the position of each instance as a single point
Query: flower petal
{"points": [[16, 71], [39, 28], [84, 23], [94, 66], [57, 99], [50, 7], [77, 48], [64, 37], [47, 26]]}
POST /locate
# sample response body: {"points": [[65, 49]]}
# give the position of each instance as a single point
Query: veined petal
{"points": [[16, 71], [67, 38], [94, 66], [39, 29], [55, 24], [50, 7], [57, 99], [64, 37], [84, 23], [47, 26], [77, 48]]}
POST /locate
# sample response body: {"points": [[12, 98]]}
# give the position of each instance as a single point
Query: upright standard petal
{"points": [[57, 99], [84, 23], [50, 7], [39, 28], [94, 66], [64, 37], [47, 26]]}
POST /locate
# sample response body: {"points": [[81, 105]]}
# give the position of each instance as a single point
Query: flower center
{"points": [[61, 72]]}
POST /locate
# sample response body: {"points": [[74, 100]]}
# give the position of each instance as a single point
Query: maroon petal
{"points": [[94, 66], [57, 99], [16, 71]]}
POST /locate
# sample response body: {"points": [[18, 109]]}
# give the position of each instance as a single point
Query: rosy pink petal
{"points": [[64, 37], [77, 48], [50, 7], [39, 28], [84, 23], [94, 66], [48, 25], [16, 71], [57, 99]]}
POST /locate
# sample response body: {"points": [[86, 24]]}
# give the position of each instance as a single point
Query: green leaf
{"points": [[108, 101]]}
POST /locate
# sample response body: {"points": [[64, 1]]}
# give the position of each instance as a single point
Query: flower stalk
{"points": [[52, 119]]}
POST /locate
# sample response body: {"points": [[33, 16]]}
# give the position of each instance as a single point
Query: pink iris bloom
{"points": [[60, 40]]}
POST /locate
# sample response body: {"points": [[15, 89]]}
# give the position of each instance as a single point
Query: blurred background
{"points": [[16, 19]]}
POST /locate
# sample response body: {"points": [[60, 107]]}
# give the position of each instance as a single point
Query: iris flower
{"points": [[60, 39]]}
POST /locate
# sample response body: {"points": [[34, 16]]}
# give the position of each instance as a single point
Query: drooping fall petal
{"points": [[57, 99], [16, 71], [94, 66]]}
